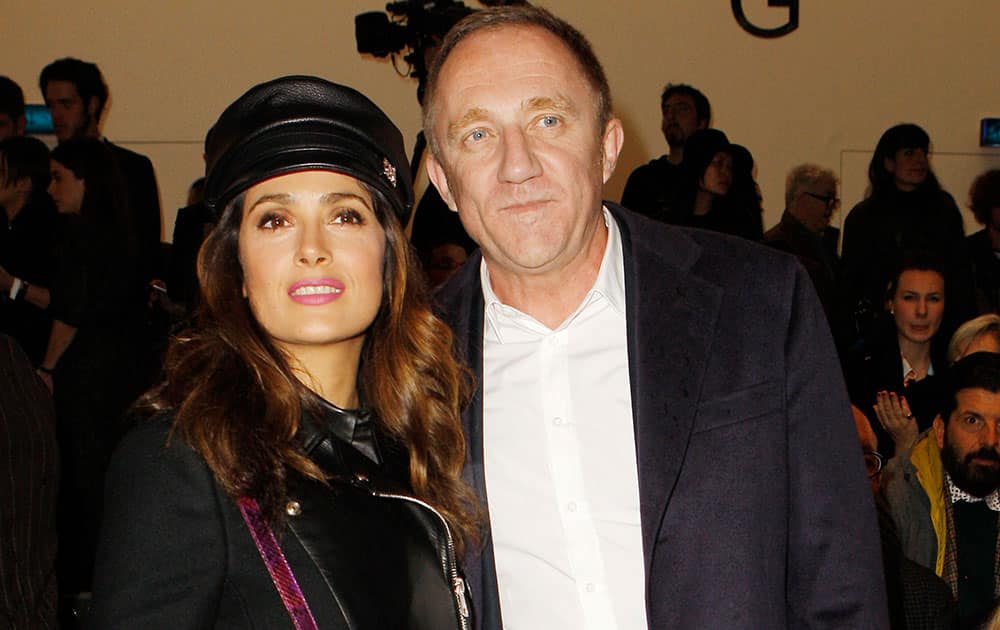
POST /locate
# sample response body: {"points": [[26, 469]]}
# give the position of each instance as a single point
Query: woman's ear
{"points": [[889, 165]]}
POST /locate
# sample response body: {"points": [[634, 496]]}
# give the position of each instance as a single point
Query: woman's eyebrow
{"points": [[334, 197]]}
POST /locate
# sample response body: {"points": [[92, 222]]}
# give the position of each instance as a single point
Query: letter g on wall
{"points": [[784, 29]]}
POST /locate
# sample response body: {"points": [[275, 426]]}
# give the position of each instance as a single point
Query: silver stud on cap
{"points": [[293, 508]]}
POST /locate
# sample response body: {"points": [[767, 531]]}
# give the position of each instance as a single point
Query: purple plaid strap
{"points": [[277, 565]]}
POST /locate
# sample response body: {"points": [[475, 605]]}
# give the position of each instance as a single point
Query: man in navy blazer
{"points": [[660, 432]]}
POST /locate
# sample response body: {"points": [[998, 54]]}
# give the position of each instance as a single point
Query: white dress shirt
{"points": [[560, 461]]}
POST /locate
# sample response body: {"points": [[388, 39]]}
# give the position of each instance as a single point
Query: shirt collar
{"points": [[907, 369], [609, 284], [956, 494]]}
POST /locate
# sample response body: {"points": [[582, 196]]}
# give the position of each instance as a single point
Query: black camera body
{"points": [[416, 25]]}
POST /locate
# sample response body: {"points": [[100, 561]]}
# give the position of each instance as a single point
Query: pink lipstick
{"points": [[316, 291]]}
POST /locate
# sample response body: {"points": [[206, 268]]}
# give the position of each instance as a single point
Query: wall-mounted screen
{"points": [[989, 132], [39, 121]]}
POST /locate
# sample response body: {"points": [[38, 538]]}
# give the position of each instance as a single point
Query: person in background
{"points": [[651, 188], [980, 334], [905, 210], [27, 227], [97, 304], [944, 492], [804, 230], [76, 95], [12, 120], [28, 488], [745, 192], [984, 245], [894, 375], [918, 599], [703, 197], [312, 416], [194, 222]]}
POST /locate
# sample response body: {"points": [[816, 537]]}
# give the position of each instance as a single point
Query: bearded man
{"points": [[943, 493]]}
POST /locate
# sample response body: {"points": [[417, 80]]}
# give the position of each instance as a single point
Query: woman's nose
{"points": [[313, 249]]}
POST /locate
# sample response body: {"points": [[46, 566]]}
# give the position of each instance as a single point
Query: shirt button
{"points": [[557, 421], [590, 587], [571, 506]]}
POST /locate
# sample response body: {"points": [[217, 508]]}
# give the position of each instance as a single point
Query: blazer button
{"points": [[293, 508]]}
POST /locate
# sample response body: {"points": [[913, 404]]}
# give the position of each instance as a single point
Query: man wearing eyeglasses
{"points": [[944, 493], [918, 598], [804, 229]]}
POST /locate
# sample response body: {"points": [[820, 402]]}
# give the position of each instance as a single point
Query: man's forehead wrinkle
{"points": [[557, 103]]}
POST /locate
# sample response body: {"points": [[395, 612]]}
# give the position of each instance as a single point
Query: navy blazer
{"points": [[754, 504]]}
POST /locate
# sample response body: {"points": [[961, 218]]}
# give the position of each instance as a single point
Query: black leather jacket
{"points": [[403, 535], [176, 553]]}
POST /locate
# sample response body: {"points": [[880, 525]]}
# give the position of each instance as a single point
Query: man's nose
{"points": [[989, 436], [518, 162]]}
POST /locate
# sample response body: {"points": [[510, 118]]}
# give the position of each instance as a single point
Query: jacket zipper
{"points": [[457, 583]]}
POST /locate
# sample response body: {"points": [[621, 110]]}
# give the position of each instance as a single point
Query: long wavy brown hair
{"points": [[237, 402]]}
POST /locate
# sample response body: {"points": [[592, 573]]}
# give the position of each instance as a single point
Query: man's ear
{"points": [[440, 180], [611, 147], [19, 125], [92, 105], [939, 428]]}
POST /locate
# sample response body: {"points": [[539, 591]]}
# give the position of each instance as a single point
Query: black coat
{"points": [[176, 553], [880, 229], [754, 507], [27, 247], [878, 366], [143, 202], [651, 188], [986, 272]]}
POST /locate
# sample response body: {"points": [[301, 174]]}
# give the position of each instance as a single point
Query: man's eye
{"points": [[971, 420], [549, 121], [477, 135]]}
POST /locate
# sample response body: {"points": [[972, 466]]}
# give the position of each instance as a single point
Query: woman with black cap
{"points": [[303, 469]]}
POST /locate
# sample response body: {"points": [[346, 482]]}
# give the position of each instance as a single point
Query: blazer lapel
{"points": [[461, 302], [671, 316]]}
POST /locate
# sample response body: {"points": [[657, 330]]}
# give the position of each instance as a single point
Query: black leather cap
{"points": [[300, 123]]}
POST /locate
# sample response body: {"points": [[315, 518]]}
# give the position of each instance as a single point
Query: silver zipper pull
{"points": [[463, 605]]}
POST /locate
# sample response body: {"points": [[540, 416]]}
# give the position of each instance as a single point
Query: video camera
{"points": [[414, 25]]}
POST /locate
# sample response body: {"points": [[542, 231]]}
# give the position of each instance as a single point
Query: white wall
{"points": [[823, 93]]}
